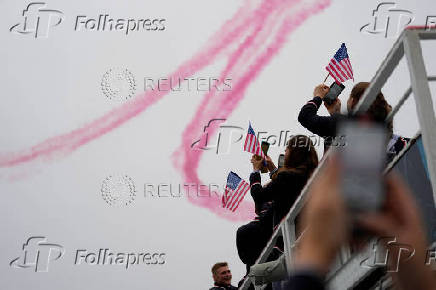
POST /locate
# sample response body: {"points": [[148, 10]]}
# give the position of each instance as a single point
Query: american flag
{"points": [[252, 144], [340, 66], [236, 188]]}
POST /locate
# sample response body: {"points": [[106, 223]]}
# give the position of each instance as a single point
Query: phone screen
{"points": [[362, 160], [333, 93], [265, 147], [281, 162]]}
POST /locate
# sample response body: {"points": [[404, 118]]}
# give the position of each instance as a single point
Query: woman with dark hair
{"points": [[287, 182], [274, 200]]}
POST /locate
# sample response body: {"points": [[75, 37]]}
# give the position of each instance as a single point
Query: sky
{"points": [[95, 157]]}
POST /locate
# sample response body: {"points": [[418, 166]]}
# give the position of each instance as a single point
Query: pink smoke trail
{"points": [[214, 104], [251, 26], [66, 143], [186, 159]]}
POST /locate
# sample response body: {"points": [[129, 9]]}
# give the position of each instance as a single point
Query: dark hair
{"points": [[302, 158], [378, 111], [217, 266]]}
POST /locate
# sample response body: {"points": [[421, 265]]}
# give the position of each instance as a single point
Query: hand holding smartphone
{"points": [[264, 146], [334, 92], [362, 162]]}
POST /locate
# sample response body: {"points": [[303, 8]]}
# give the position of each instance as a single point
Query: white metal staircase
{"points": [[347, 272]]}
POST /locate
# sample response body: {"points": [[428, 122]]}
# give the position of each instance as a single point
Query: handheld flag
{"points": [[252, 144], [236, 188], [340, 66]]}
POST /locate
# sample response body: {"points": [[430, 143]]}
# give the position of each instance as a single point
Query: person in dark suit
{"points": [[325, 126]]}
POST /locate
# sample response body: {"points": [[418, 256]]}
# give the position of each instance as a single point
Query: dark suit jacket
{"points": [[282, 191]]}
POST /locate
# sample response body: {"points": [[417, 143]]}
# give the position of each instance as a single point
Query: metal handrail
{"points": [[407, 44]]}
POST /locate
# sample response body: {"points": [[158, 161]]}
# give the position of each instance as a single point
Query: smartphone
{"points": [[334, 92], [281, 161], [265, 146], [362, 160]]}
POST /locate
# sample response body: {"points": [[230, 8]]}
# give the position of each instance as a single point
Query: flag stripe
{"points": [[346, 68], [339, 69], [232, 197], [246, 142], [237, 195], [235, 191], [347, 61], [240, 195], [334, 74], [240, 200], [252, 143], [234, 194], [342, 67], [348, 65]]}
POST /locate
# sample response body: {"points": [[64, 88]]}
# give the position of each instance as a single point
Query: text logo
{"points": [[228, 135], [107, 23], [191, 190], [388, 249], [118, 84], [118, 190], [178, 84], [104, 257], [38, 254], [37, 20], [204, 143], [388, 21]]}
